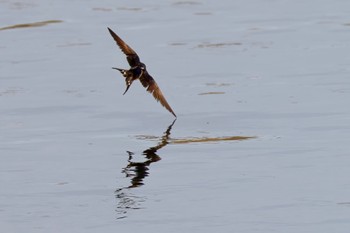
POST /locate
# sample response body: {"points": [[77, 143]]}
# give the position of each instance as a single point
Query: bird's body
{"points": [[138, 71]]}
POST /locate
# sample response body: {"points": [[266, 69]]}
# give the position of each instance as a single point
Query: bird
{"points": [[138, 71]]}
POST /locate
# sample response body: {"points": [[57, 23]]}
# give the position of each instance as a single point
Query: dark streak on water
{"points": [[30, 25]]}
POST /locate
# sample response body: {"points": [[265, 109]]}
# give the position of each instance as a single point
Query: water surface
{"points": [[261, 90]]}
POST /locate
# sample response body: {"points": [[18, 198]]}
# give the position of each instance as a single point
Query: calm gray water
{"points": [[261, 143]]}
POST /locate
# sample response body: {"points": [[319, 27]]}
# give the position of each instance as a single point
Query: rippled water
{"points": [[260, 88]]}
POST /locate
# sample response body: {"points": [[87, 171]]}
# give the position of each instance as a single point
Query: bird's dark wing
{"points": [[150, 84], [131, 55]]}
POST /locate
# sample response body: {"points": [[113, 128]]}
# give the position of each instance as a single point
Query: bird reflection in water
{"points": [[137, 172]]}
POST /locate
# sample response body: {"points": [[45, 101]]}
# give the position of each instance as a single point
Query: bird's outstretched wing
{"points": [[131, 56], [152, 87]]}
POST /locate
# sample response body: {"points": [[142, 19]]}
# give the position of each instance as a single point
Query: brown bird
{"points": [[138, 71]]}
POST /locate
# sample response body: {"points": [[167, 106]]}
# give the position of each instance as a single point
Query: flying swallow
{"points": [[138, 71]]}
